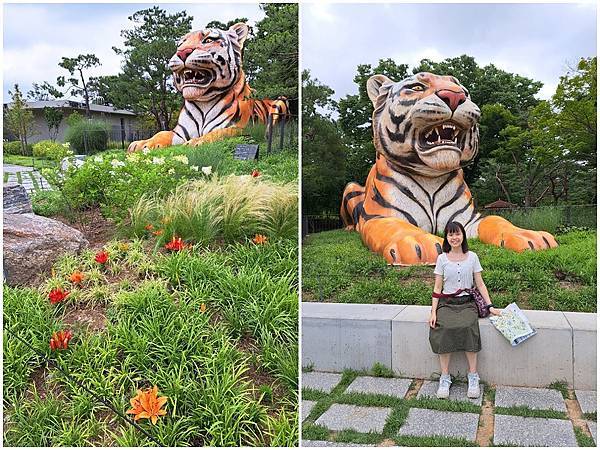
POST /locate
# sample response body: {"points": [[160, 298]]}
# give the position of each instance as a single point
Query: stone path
{"points": [[423, 417], [29, 178]]}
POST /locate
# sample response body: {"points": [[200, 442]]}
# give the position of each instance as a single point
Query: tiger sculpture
{"points": [[207, 70], [425, 128]]}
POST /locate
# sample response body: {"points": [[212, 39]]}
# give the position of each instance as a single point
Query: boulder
{"points": [[15, 199], [33, 243], [75, 160]]}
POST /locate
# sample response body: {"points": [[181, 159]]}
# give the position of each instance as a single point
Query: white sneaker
{"points": [[444, 386], [473, 391]]}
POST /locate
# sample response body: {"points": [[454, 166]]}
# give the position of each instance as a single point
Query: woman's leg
{"points": [[445, 362], [472, 359]]}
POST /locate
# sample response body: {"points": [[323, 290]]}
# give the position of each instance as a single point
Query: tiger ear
{"points": [[376, 85], [240, 30]]}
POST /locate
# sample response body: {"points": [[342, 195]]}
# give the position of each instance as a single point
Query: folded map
{"points": [[513, 325]]}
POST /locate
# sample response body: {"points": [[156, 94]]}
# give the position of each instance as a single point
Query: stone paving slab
{"points": [[307, 406], [429, 422], [321, 381], [587, 400], [533, 431], [394, 387], [364, 419], [458, 391], [593, 429], [307, 443], [535, 398]]}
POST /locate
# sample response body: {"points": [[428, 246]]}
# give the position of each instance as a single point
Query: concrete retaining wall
{"points": [[336, 336]]}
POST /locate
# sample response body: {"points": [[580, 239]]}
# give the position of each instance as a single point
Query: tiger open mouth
{"points": [[446, 134], [189, 77]]}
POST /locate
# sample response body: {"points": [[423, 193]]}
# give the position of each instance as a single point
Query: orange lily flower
{"points": [[60, 340], [149, 227], [146, 405], [157, 232], [176, 244], [203, 307], [255, 173], [259, 239], [76, 277]]}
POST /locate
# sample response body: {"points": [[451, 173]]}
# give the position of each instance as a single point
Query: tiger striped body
{"points": [[425, 128], [207, 70]]}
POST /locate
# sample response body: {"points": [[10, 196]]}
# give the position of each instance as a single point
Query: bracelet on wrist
{"points": [[490, 306]]}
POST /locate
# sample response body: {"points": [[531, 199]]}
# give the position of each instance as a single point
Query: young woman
{"points": [[454, 322]]}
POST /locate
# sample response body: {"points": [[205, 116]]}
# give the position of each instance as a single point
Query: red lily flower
{"points": [[60, 340], [57, 295], [255, 173], [101, 257], [176, 244]]}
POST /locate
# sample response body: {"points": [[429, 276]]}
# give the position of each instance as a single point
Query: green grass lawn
{"points": [[28, 161], [229, 368], [337, 267]]}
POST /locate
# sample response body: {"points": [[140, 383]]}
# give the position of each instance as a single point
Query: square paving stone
{"points": [[458, 391], [533, 432], [534, 398], [364, 419], [429, 422], [307, 406], [307, 443], [587, 400], [395, 387], [321, 381], [592, 426]]}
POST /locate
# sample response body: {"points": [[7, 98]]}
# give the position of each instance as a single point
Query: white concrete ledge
{"points": [[336, 336]]}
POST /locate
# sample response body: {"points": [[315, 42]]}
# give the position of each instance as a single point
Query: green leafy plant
{"points": [[88, 136], [51, 150]]}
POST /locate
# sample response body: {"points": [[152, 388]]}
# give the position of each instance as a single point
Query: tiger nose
{"points": [[183, 54], [451, 98]]}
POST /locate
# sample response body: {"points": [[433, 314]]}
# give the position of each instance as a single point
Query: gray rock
{"points": [[593, 429], [429, 422], [458, 391], [321, 381], [588, 400], [307, 406], [33, 243], [534, 398], [364, 419], [395, 387], [533, 432], [15, 200]]}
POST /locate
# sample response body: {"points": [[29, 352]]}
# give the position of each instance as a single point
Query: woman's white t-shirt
{"points": [[457, 274]]}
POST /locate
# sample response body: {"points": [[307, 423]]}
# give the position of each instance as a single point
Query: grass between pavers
{"points": [[228, 382], [561, 279], [590, 416], [583, 440], [5, 178], [525, 411], [29, 161], [19, 177], [400, 408]]}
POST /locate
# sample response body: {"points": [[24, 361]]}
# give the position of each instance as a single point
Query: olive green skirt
{"points": [[457, 326]]}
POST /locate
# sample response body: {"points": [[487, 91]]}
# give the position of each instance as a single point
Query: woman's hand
{"points": [[432, 319], [495, 311]]}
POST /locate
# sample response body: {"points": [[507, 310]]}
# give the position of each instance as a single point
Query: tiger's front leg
{"points": [[399, 242], [214, 136], [498, 231], [159, 140]]}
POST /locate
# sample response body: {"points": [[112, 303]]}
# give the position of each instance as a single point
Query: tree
{"points": [[18, 119], [145, 84], [271, 57], [78, 86], [224, 26], [44, 92], [54, 117], [323, 151]]}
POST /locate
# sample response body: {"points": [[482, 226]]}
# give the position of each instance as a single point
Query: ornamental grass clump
{"points": [[228, 209]]}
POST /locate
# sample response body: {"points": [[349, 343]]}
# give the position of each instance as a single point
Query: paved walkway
{"points": [[348, 410], [31, 179]]}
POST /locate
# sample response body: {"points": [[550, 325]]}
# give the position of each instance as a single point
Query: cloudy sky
{"points": [[37, 36], [538, 41]]}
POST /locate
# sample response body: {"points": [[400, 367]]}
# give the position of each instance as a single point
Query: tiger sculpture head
{"points": [[425, 124], [208, 62]]}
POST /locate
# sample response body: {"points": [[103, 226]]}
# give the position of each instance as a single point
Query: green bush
{"points": [[48, 203], [88, 136], [14, 148], [51, 150]]}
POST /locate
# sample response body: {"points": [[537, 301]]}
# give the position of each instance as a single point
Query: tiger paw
{"points": [[195, 142], [498, 231], [159, 140], [416, 249]]}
